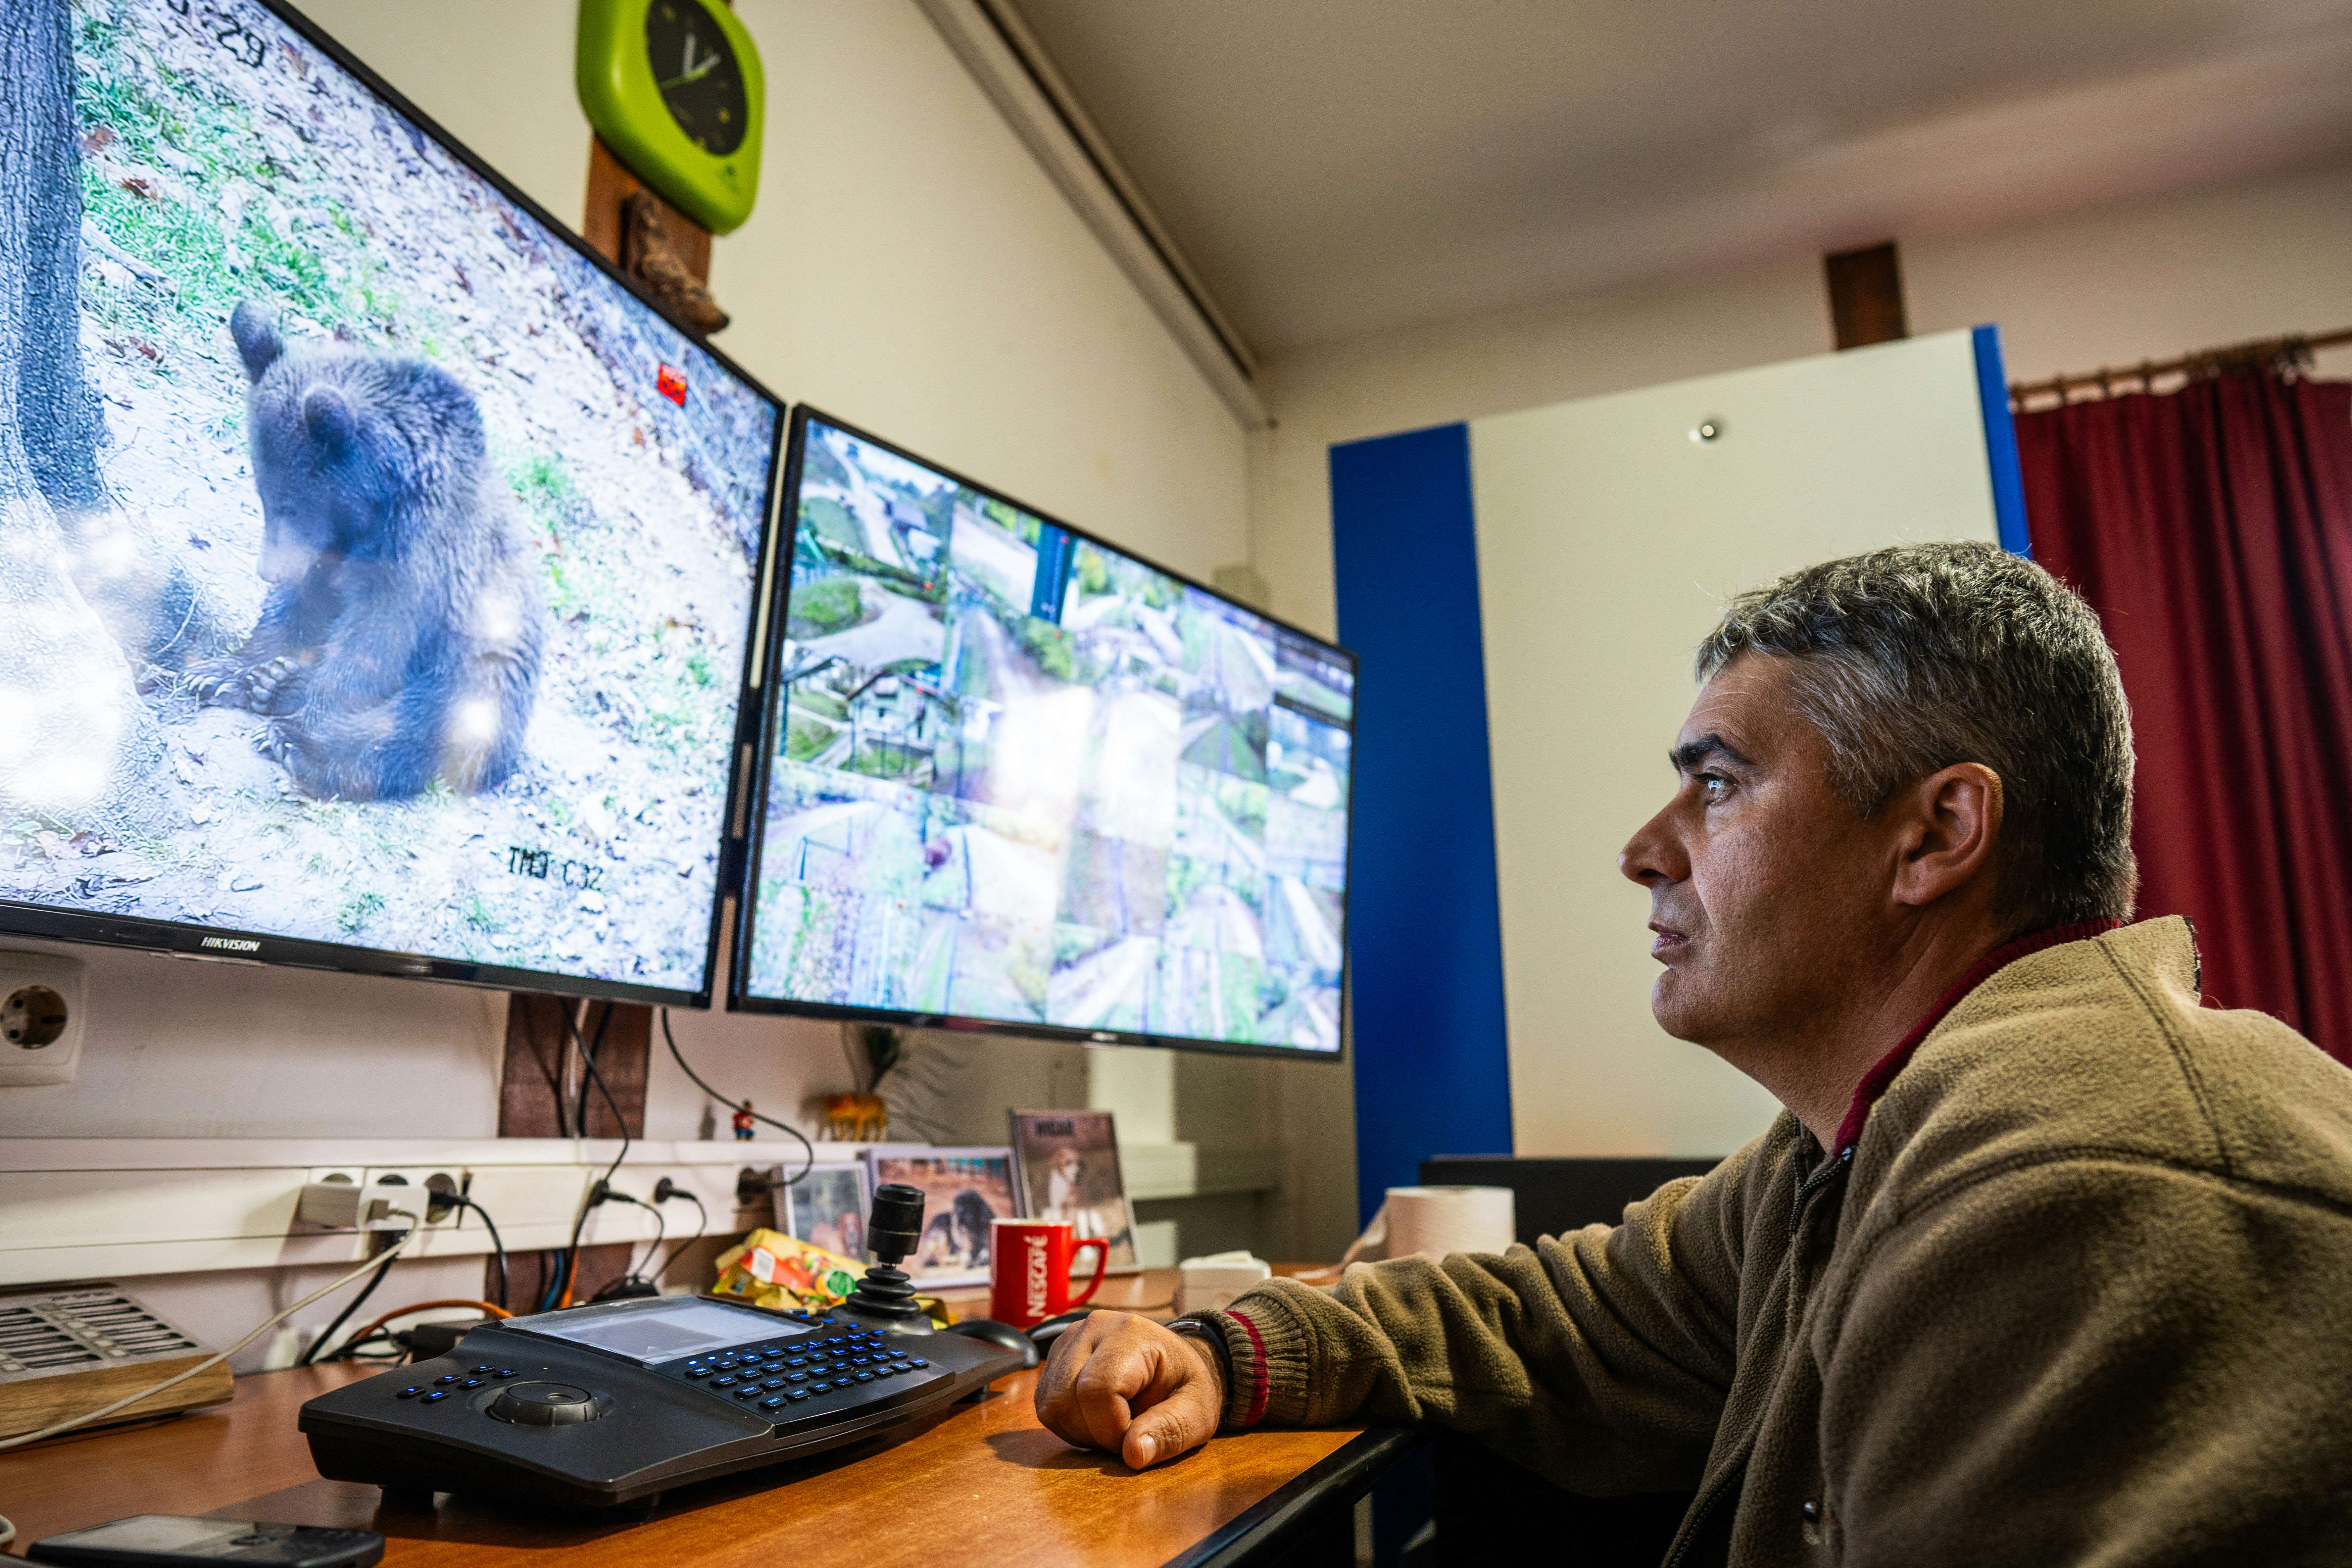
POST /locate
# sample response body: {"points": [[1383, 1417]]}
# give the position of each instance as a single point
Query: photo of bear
{"points": [[379, 571], [399, 644]]}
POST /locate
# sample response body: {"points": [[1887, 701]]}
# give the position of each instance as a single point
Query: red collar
{"points": [[1874, 1082]]}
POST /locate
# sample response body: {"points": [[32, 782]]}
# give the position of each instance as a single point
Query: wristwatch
{"points": [[1208, 1334]]}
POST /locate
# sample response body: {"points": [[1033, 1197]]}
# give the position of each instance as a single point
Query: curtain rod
{"points": [[2293, 353]]}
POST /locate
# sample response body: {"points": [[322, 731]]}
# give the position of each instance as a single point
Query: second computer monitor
{"points": [[1015, 775]]}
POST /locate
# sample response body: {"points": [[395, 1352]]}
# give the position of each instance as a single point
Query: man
{"points": [[2045, 1263]]}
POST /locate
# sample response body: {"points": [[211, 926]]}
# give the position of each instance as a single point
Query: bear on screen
{"points": [[399, 643]]}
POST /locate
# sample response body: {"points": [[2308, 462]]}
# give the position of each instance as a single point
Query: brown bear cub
{"points": [[399, 644]]}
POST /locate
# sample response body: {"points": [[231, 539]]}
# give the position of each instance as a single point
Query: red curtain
{"points": [[2211, 527]]}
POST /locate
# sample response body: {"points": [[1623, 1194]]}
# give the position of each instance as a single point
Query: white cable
{"points": [[415, 1228]]}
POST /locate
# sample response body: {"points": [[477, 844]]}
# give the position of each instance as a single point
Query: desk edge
{"points": [[1353, 1468]]}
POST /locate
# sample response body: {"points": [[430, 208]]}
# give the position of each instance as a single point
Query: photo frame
{"points": [[827, 1207], [963, 1190], [1066, 1167]]}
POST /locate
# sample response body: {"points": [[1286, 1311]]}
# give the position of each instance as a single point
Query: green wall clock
{"points": [[674, 88]]}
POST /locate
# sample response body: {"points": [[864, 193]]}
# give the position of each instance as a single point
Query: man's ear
{"points": [[1952, 826]]}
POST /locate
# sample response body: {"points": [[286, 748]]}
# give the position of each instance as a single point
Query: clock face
{"points": [[695, 71]]}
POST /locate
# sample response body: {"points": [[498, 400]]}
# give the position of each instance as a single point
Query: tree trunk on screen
{"points": [[79, 742]]}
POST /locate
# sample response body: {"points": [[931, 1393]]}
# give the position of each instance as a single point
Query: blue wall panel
{"points": [[2001, 445], [1424, 924]]}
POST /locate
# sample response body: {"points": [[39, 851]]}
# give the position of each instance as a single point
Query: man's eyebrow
{"points": [[1687, 757]]}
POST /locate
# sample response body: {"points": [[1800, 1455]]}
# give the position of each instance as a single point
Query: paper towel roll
{"points": [[1435, 1221]]}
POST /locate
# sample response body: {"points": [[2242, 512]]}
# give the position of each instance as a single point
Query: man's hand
{"points": [[1124, 1383]]}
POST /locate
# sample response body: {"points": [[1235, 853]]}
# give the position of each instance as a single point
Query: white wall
{"points": [[2145, 279], [1608, 540], [909, 267]]}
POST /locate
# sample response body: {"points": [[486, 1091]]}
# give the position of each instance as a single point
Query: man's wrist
{"points": [[1211, 1340]]}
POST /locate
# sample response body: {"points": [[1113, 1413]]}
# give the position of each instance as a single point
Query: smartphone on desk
{"points": [[160, 1540]]}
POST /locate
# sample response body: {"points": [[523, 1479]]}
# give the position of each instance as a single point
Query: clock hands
{"points": [[689, 69]]}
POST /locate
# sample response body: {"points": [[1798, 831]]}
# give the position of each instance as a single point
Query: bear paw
{"points": [[275, 742], [265, 683], [219, 685]]}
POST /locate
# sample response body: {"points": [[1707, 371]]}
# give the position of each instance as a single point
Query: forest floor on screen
{"points": [[566, 813]]}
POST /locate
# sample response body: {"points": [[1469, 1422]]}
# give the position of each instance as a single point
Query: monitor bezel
{"points": [[262, 949], [739, 999]]}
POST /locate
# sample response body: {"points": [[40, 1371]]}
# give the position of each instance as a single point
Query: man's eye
{"points": [[1715, 786]]}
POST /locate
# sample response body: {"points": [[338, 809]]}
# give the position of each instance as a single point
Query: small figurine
{"points": [[856, 1118], [743, 1123]]}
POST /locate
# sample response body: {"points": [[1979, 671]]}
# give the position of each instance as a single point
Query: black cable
{"points": [[807, 1164], [570, 1272], [589, 1052], [661, 1231], [701, 1229], [374, 1279], [498, 1246]]}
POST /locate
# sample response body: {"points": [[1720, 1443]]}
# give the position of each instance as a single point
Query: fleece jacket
{"points": [[2075, 1288]]}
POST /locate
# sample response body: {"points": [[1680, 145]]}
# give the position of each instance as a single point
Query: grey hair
{"points": [[1916, 658]]}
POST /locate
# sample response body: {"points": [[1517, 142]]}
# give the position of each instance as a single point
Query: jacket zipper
{"points": [[1701, 1514], [1830, 1171]]}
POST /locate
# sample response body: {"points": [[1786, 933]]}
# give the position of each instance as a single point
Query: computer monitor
{"points": [[1016, 777], [381, 581]]}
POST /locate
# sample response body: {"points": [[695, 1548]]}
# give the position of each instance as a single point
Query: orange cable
{"points": [[424, 1306]]}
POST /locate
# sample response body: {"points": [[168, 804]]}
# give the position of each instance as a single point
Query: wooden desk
{"points": [[983, 1482]]}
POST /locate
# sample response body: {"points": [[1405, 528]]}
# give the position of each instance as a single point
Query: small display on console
{"points": [[648, 1335]]}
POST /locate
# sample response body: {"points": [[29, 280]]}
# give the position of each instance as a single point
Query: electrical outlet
{"points": [[423, 1184], [43, 1014]]}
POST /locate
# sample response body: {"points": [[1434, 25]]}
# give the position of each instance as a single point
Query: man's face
{"points": [[1765, 886]]}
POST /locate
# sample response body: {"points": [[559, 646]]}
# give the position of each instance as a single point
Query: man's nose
{"points": [[1653, 855]]}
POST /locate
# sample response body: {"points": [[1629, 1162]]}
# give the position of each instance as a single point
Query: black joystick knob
{"points": [[896, 1226], [543, 1405], [894, 1229]]}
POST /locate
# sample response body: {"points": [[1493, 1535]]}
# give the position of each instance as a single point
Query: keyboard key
{"points": [[771, 1385], [796, 1395], [435, 1397], [865, 1377], [819, 1387], [478, 1371], [795, 1377], [446, 1379], [472, 1383], [775, 1404], [724, 1380], [748, 1391], [411, 1392], [504, 1371], [917, 1361]]}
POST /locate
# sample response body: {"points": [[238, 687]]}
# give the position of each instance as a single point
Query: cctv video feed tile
{"points": [[1025, 777], [385, 577]]}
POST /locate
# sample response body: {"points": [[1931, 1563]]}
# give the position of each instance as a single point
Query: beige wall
{"points": [[2114, 285]]}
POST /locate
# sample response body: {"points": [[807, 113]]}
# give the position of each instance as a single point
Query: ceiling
{"points": [[1338, 167]]}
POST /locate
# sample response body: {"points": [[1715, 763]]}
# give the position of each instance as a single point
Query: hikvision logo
{"points": [[231, 943]]}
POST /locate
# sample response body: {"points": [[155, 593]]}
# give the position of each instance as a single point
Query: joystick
{"points": [[894, 1230]]}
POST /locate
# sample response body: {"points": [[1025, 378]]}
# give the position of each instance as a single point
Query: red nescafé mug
{"points": [[1029, 1270]]}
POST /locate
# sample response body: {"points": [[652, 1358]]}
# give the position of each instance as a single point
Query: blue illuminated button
{"points": [[483, 1368], [796, 1395], [775, 1404], [446, 1379], [748, 1391], [901, 1366], [797, 1361], [917, 1361], [435, 1397], [411, 1392], [795, 1377], [724, 1361], [471, 1383], [865, 1377], [724, 1380], [772, 1383], [819, 1387], [504, 1371]]}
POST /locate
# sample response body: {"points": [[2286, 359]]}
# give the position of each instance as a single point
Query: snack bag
{"points": [[771, 1269]]}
